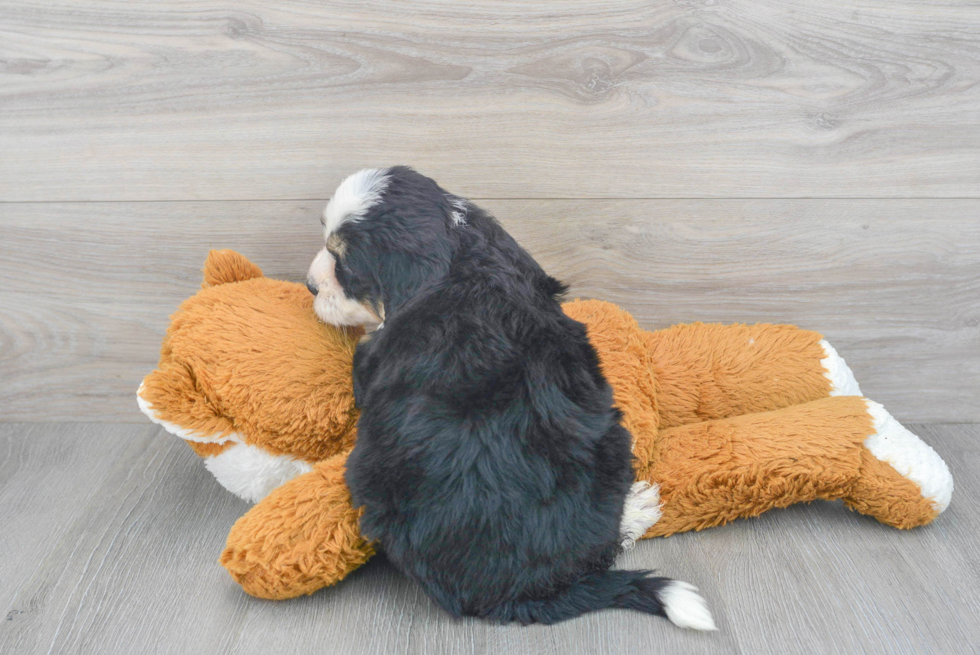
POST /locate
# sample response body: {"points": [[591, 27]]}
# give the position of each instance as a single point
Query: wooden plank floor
{"points": [[111, 535]]}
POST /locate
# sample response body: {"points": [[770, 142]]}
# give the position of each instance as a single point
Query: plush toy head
{"points": [[252, 380]]}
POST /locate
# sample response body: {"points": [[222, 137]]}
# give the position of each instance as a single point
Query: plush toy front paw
{"points": [[304, 536]]}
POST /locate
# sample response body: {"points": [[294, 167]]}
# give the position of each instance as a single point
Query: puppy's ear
{"points": [[362, 369]]}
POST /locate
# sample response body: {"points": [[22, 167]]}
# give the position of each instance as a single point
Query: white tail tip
{"points": [[685, 607]]}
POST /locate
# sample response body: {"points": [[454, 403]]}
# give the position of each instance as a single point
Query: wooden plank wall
{"points": [[114, 100], [718, 160]]}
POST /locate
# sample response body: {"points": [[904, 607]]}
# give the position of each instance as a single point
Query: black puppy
{"points": [[490, 461]]}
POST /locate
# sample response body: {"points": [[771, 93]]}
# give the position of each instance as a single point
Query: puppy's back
{"points": [[491, 463]]}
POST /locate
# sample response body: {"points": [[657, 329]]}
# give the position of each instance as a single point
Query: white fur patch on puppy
{"points": [[641, 510], [331, 304], [459, 209], [893, 443], [685, 607], [842, 382], [251, 472], [354, 197]]}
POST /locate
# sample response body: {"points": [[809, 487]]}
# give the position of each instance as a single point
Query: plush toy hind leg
{"points": [[302, 537], [701, 372], [710, 371], [845, 448]]}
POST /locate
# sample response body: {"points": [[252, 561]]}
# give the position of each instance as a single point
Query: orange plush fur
{"points": [[728, 422]]}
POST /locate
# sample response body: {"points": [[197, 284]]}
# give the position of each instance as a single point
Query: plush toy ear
{"points": [[224, 266], [170, 396]]}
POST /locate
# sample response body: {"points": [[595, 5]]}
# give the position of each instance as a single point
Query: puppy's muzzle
{"points": [[312, 287]]}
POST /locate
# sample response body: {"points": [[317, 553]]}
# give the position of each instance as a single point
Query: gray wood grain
{"points": [[105, 516], [583, 126], [112, 533], [102, 100], [827, 576], [86, 288]]}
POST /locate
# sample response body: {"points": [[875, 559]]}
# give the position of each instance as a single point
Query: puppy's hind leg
{"points": [[641, 510]]}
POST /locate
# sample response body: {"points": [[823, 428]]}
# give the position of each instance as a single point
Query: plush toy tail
{"points": [[633, 590], [223, 266]]}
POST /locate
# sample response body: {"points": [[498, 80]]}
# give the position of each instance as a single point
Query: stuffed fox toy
{"points": [[727, 422]]}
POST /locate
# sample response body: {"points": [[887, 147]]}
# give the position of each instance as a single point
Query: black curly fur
{"points": [[490, 461]]}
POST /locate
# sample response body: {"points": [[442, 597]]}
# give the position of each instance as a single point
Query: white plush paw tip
{"points": [[842, 382], [913, 458]]}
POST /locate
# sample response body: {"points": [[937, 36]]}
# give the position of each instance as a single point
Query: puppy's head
{"points": [[388, 233]]}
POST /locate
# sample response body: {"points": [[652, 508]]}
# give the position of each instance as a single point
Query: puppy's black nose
{"points": [[311, 287]]}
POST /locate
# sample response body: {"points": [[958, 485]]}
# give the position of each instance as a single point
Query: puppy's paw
{"points": [[641, 510]]}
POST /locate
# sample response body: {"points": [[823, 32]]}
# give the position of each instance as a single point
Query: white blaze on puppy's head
{"points": [[355, 196]]}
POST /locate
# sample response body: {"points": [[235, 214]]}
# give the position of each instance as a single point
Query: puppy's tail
{"points": [[633, 590]]}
